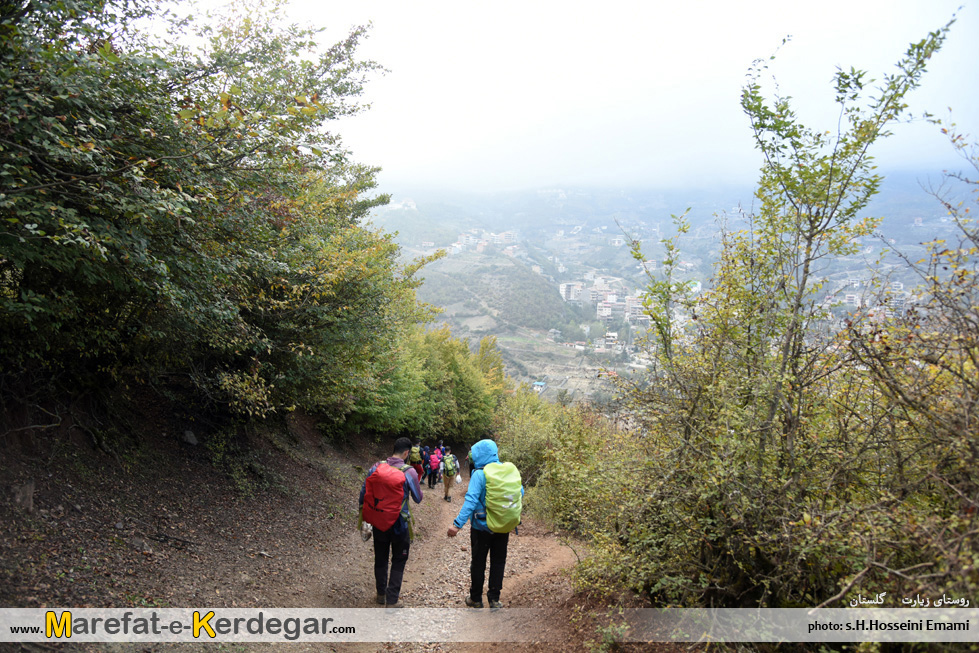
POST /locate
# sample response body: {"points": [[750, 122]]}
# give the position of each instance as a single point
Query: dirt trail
{"points": [[437, 572], [171, 532]]}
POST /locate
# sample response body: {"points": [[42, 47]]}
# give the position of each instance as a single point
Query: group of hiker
{"points": [[492, 505], [436, 464]]}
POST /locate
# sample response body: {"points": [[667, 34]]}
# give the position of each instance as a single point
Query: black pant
{"points": [[397, 545], [495, 544]]}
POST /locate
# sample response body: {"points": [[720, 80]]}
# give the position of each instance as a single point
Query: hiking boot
{"points": [[473, 604], [393, 607], [448, 498], [380, 599], [495, 605]]}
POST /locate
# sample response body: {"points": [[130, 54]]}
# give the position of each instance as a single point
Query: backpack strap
{"points": [[411, 520]]}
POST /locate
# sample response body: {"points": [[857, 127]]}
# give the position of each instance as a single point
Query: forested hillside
{"points": [[180, 217], [186, 257], [498, 286]]}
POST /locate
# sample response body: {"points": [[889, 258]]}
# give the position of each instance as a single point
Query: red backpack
{"points": [[433, 462], [384, 496]]}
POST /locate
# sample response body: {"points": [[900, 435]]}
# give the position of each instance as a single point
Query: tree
{"points": [[180, 216], [490, 363], [924, 362], [764, 481]]}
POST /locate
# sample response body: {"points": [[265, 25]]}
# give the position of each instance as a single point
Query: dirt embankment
{"points": [[161, 527]]}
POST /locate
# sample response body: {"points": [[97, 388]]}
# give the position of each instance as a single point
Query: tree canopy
{"points": [[181, 214]]}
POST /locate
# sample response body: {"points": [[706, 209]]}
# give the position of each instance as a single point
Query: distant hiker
{"points": [[450, 467], [440, 451], [472, 465], [493, 503], [433, 468], [415, 459], [384, 500]]}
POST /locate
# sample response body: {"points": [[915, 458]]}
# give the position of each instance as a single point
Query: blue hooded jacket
{"points": [[483, 453]]}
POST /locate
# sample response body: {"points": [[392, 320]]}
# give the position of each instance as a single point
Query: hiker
{"points": [[415, 459], [493, 505], [433, 468], [440, 452], [450, 467], [384, 501]]}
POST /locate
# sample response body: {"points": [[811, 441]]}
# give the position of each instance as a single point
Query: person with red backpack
{"points": [[433, 467], [384, 505]]}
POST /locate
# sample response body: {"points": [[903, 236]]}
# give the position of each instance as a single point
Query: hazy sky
{"points": [[496, 95]]}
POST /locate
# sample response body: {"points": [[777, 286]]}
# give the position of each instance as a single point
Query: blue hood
{"points": [[484, 452]]}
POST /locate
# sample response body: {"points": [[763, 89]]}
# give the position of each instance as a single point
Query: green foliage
{"points": [[456, 396], [768, 486], [433, 385], [489, 359], [768, 462], [924, 362], [180, 216], [525, 428]]}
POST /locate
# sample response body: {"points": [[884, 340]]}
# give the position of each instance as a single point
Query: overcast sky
{"points": [[502, 94]]}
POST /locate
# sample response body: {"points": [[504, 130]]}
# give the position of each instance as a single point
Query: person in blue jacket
{"points": [[482, 539]]}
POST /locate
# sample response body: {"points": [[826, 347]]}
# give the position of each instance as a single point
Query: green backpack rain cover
{"points": [[416, 455], [450, 465], [503, 498]]}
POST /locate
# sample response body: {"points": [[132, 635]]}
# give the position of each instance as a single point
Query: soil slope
{"points": [[161, 526]]}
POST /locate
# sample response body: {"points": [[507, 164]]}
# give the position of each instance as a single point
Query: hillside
{"points": [[494, 286], [578, 236], [160, 525]]}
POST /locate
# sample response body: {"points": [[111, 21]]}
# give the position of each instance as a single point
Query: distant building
{"points": [[571, 292], [897, 301], [633, 307]]}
